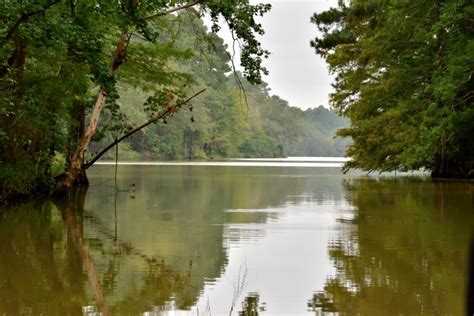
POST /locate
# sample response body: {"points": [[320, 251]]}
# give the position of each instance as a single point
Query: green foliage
{"points": [[21, 180], [241, 22], [219, 124], [57, 164], [404, 78], [55, 56]]}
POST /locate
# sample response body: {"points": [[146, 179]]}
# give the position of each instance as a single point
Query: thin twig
{"points": [[116, 166], [234, 70], [239, 286]]}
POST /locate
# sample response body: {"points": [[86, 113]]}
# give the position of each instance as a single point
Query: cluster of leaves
{"points": [[240, 18], [404, 76]]}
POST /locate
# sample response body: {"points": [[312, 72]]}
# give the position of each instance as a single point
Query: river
{"points": [[247, 237]]}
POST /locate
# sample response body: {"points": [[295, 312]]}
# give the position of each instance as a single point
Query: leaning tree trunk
{"points": [[76, 132], [76, 169], [76, 160], [170, 110]]}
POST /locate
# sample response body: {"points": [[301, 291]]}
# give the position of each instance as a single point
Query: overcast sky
{"points": [[297, 74]]}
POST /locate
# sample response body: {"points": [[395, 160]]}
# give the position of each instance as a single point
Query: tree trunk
{"points": [[75, 170], [75, 134], [71, 207], [452, 169]]}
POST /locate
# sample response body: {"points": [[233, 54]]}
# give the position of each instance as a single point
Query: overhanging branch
{"points": [[174, 9], [133, 131]]}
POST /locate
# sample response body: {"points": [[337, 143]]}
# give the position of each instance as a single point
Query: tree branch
{"points": [[153, 120], [174, 9], [234, 69]]}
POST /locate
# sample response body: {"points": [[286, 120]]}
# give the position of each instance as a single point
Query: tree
{"points": [[240, 18], [404, 78]]}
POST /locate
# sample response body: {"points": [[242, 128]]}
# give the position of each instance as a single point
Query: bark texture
{"points": [[75, 173]]}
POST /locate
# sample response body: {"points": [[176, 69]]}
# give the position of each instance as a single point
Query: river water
{"points": [[242, 237]]}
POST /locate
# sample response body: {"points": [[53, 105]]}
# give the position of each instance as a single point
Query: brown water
{"points": [[241, 239]]}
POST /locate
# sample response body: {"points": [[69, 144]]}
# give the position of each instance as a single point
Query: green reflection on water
{"points": [[176, 214], [39, 272], [155, 246], [405, 252], [251, 306], [150, 248]]}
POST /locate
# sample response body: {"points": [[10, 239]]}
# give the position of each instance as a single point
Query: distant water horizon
{"points": [[331, 162]]}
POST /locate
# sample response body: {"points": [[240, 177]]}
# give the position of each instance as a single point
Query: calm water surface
{"points": [[246, 237]]}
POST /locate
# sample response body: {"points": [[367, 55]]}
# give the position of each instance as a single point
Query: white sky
{"points": [[297, 74]]}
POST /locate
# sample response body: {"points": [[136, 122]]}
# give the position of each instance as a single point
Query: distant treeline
{"points": [[222, 124]]}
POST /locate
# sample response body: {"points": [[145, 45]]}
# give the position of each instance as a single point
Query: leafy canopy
{"points": [[404, 78]]}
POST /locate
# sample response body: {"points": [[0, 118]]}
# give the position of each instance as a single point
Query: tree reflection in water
{"points": [[405, 251], [51, 268], [156, 251], [251, 305], [161, 284]]}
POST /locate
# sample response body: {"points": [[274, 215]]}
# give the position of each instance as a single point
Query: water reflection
{"points": [[33, 244], [153, 250], [405, 251], [48, 266], [71, 209], [262, 241], [251, 306]]}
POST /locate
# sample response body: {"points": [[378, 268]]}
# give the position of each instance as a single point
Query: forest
{"points": [[75, 76], [222, 124]]}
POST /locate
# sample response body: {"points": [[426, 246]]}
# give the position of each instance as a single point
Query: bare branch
{"points": [[234, 69], [151, 121], [174, 9]]}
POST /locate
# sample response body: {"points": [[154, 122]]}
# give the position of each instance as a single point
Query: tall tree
{"points": [[404, 77], [238, 15]]}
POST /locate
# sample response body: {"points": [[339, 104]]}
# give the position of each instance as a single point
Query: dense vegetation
{"points": [[404, 77], [232, 118], [77, 72]]}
